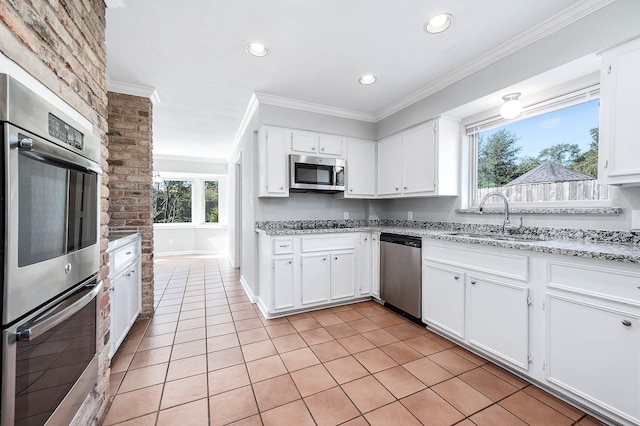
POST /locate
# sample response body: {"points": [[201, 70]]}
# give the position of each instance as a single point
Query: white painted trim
{"points": [[251, 109], [263, 309], [113, 4], [133, 90], [267, 99], [245, 285], [192, 159], [545, 28]]}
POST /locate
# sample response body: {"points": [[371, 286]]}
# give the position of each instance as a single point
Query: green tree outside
{"points": [[172, 201]]}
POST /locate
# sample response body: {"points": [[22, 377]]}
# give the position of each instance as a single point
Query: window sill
{"points": [[190, 225], [590, 211]]}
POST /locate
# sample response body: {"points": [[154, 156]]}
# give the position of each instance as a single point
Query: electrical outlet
{"points": [[346, 215], [635, 220], [410, 215]]}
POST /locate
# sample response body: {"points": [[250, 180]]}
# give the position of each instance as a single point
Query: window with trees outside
{"points": [[211, 209], [172, 201], [547, 158]]}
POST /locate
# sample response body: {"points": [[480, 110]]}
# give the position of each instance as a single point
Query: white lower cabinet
{"points": [[284, 289], [498, 317], [443, 298], [307, 272], [343, 275], [315, 278], [570, 325], [375, 264], [125, 290], [593, 350]]}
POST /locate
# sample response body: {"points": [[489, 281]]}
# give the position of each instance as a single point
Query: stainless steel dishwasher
{"points": [[401, 273]]}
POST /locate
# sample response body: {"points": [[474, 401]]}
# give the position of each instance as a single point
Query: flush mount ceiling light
{"points": [[438, 23], [257, 49], [367, 79], [512, 107], [157, 178]]}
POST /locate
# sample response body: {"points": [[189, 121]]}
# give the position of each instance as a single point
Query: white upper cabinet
{"points": [[272, 163], [361, 164], [390, 165], [315, 143], [420, 161], [619, 113]]}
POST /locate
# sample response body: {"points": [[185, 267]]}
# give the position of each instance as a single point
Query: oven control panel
{"points": [[66, 133]]}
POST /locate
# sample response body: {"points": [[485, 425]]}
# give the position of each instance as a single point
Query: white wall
{"points": [[190, 239]]}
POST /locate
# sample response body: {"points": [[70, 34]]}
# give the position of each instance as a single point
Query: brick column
{"points": [[130, 173]]}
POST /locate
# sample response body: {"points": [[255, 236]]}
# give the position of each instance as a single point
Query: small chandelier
{"points": [[512, 107], [157, 178]]}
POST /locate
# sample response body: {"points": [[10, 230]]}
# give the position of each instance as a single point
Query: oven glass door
{"points": [[57, 209], [46, 357]]}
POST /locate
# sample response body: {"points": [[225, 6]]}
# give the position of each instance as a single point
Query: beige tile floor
{"points": [[208, 357]]}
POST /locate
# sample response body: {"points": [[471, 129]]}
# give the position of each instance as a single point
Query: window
{"points": [[550, 156], [172, 201], [211, 211]]}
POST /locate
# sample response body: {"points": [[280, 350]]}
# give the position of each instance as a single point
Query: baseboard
{"points": [[247, 289]]}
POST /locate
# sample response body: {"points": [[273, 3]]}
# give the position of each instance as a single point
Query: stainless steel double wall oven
{"points": [[50, 179]]}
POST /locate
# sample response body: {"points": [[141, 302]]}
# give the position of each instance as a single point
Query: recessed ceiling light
{"points": [[438, 23], [257, 49], [367, 79]]}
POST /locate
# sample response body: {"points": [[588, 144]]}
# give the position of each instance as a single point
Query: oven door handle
{"points": [[47, 322]]}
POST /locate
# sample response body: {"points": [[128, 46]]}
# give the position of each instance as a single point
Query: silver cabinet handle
{"points": [[456, 277], [473, 282], [289, 262], [284, 245], [405, 187], [43, 324], [128, 253], [322, 149], [335, 258], [626, 323], [396, 188]]}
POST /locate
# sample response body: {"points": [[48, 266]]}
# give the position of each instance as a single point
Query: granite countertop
{"points": [[620, 246]]}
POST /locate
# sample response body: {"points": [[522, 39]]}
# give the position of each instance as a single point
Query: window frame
{"points": [[473, 129], [198, 218]]}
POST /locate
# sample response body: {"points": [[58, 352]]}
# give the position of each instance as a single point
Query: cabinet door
{"points": [[315, 278], [304, 141], [619, 110], [364, 265], [375, 264], [275, 175], [134, 286], [419, 159], [119, 312], [361, 162], [330, 145], [594, 351], [498, 319], [390, 165], [343, 275], [283, 283], [443, 298]]}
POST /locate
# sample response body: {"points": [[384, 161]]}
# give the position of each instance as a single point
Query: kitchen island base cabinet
{"points": [[283, 275], [315, 279]]}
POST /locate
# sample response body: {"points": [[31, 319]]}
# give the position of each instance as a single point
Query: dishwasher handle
{"points": [[401, 240]]}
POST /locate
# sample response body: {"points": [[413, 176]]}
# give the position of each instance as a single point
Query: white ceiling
{"points": [[193, 54]]}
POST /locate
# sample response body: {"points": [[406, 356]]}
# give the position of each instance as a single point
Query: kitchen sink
{"points": [[499, 237]]}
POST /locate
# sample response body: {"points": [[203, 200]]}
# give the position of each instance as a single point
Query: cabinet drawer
{"points": [[123, 255], [310, 244], [283, 246], [484, 259], [607, 283]]}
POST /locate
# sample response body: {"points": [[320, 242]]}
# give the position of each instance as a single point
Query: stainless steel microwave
{"points": [[307, 173]]}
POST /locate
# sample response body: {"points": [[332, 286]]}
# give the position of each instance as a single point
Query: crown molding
{"points": [[267, 99], [133, 90], [251, 109], [545, 28]]}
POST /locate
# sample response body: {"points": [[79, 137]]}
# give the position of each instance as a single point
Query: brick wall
{"points": [[130, 174], [62, 44]]}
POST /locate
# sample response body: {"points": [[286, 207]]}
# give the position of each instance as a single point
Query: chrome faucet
{"points": [[507, 227]]}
